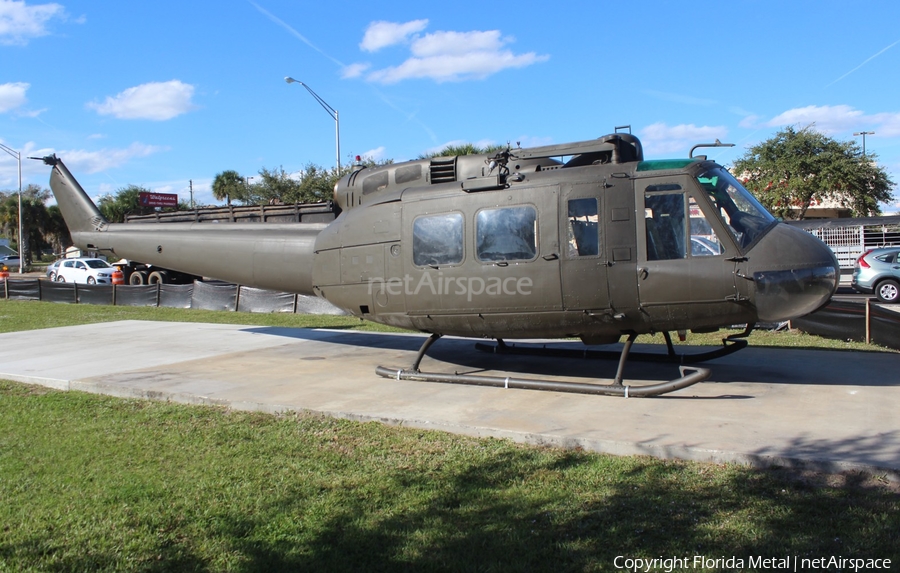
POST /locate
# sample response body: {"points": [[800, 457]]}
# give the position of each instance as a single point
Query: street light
{"points": [[334, 115], [18, 157], [864, 134]]}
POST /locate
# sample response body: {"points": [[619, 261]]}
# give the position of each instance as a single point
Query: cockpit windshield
{"points": [[744, 217]]}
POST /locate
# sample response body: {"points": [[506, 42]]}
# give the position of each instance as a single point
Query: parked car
{"points": [[703, 247], [51, 269], [86, 271], [10, 261], [878, 271]]}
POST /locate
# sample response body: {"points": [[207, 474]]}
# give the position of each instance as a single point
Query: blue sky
{"points": [[160, 93]]}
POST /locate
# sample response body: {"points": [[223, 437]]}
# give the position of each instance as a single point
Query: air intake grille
{"points": [[443, 170]]}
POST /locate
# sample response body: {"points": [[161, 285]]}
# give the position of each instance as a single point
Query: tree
{"points": [[315, 184], [229, 185], [790, 170], [57, 233], [277, 186], [127, 201], [35, 219], [463, 149]]}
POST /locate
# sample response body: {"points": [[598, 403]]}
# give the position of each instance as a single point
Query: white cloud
{"points": [[441, 56], [156, 101], [382, 34], [12, 95], [750, 122], [457, 43], [839, 118], [455, 67], [104, 159], [376, 154], [354, 70], [826, 118], [19, 22], [660, 138]]}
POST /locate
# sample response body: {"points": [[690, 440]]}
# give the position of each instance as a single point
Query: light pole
{"points": [[334, 115], [864, 134], [18, 157]]}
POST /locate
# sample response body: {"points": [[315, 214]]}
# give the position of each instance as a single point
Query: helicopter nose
{"points": [[794, 272]]}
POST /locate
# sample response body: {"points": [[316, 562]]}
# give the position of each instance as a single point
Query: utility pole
{"points": [[864, 134], [18, 156], [191, 185]]}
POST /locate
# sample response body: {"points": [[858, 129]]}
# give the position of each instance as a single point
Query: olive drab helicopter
{"points": [[585, 240]]}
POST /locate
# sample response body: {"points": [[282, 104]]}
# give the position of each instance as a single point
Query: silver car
{"points": [[51, 270], [878, 271], [10, 261]]}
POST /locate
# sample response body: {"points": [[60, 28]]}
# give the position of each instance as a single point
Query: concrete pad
{"points": [[825, 410]]}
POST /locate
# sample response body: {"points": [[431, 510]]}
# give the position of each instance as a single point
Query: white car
{"points": [[85, 271]]}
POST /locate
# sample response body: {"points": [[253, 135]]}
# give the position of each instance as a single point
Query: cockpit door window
{"points": [[704, 241]]}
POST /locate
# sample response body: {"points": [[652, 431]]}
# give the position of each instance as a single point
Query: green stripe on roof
{"points": [[660, 164]]}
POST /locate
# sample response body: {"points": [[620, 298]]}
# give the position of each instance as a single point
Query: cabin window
{"points": [[375, 182], [438, 240], [704, 241], [664, 217], [408, 174], [583, 230], [506, 234]]}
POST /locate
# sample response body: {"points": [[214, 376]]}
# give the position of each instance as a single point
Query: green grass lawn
{"points": [[94, 483]]}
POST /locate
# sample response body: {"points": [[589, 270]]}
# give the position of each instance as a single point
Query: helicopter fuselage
{"points": [[516, 245], [592, 251]]}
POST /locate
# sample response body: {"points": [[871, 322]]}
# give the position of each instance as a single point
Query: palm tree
{"points": [[463, 149], [228, 184]]}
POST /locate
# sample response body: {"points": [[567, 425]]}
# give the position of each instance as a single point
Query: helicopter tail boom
{"points": [[275, 256]]}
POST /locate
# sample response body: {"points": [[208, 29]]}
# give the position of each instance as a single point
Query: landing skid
{"points": [[730, 345], [689, 376]]}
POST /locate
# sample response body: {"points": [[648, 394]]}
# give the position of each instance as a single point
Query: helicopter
{"points": [[582, 240]]}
